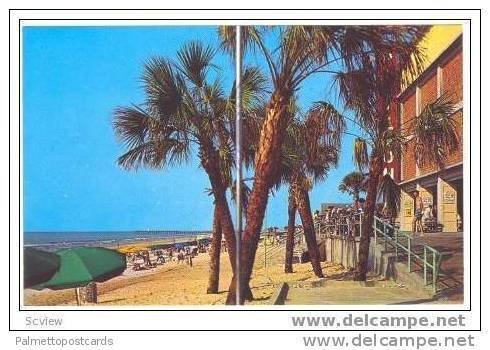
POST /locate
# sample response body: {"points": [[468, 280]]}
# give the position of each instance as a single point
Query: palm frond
{"points": [[391, 144], [195, 60], [163, 87], [389, 41], [253, 90], [245, 193], [389, 192], [149, 141], [307, 183], [436, 132], [373, 76], [311, 145], [177, 148], [251, 124], [131, 125], [356, 90], [135, 157], [251, 39], [325, 123], [360, 156]]}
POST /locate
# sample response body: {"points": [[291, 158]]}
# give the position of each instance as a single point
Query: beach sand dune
{"points": [[180, 284]]}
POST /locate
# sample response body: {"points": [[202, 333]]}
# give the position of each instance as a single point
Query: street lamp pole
{"points": [[238, 141]]}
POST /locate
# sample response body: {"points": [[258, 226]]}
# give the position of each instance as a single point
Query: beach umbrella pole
{"points": [[238, 141], [77, 294]]}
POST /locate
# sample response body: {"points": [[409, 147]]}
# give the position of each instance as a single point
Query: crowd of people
{"points": [[145, 258], [340, 220]]}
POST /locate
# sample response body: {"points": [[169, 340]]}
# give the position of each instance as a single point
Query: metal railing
{"points": [[402, 243]]}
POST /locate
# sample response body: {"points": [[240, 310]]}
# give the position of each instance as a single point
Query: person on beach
{"points": [[170, 252], [147, 259], [160, 257], [180, 256]]}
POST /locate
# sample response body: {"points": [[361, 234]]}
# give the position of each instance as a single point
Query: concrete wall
{"points": [[344, 251], [340, 250]]}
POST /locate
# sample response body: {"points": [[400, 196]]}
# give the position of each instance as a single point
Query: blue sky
{"points": [[73, 78]]}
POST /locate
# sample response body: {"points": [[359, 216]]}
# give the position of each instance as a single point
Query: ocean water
{"points": [[57, 240]]}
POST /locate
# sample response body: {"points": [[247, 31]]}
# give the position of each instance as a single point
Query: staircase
{"points": [[273, 252], [417, 258]]}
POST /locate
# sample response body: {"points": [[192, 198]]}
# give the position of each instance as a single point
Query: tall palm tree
{"points": [[353, 184], [370, 92], [300, 52], [184, 110], [309, 151]]}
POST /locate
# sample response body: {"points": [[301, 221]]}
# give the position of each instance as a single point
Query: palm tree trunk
{"points": [[226, 225], [267, 159], [375, 170], [255, 213], [304, 209], [215, 255], [211, 164], [288, 261]]}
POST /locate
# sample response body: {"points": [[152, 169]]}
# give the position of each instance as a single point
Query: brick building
{"points": [[440, 187]]}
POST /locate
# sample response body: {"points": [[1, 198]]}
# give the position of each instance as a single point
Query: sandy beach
{"points": [[179, 284]]}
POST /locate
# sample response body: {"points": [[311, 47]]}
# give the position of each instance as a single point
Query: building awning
{"points": [[452, 173]]}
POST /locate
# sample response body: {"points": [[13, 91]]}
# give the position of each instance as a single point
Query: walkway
{"points": [[375, 292], [451, 276]]}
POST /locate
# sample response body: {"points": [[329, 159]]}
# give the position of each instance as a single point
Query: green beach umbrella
{"points": [[39, 266], [80, 266]]}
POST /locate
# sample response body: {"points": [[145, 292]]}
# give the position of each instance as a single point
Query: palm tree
{"points": [[370, 92], [301, 52], [183, 109], [353, 184], [309, 151]]}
